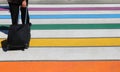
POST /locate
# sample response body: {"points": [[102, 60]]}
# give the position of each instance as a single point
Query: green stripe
{"points": [[69, 26]]}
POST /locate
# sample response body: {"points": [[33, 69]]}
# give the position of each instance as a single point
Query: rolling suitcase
{"points": [[18, 37]]}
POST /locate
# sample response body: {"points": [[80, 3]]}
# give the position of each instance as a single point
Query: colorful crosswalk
{"points": [[67, 38]]}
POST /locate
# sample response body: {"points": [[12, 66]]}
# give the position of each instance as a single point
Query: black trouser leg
{"points": [[14, 10], [24, 10]]}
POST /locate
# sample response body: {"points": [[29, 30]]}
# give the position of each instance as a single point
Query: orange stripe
{"points": [[70, 66]]}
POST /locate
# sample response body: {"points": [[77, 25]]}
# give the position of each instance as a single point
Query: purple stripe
{"points": [[1, 9], [70, 9]]}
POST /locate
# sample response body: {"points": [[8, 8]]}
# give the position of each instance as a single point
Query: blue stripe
{"points": [[67, 16]]}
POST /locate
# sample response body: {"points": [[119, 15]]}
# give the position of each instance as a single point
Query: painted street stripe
{"points": [[68, 42], [89, 33], [68, 16], [62, 53], [75, 9], [75, 33], [70, 33], [67, 5], [4, 8], [65, 12], [73, 5], [66, 21], [69, 26], [61, 66], [77, 26]]}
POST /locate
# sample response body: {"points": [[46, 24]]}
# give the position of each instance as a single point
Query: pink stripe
{"points": [[70, 9]]}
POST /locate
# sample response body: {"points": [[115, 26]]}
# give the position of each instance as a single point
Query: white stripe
{"points": [[5, 21], [76, 33], [4, 13], [72, 33], [3, 35], [69, 5], [65, 21], [74, 5], [65, 12], [62, 53]]}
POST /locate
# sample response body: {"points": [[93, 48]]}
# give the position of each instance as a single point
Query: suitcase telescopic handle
{"points": [[26, 12], [26, 15]]}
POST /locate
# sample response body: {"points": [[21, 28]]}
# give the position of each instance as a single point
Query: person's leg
{"points": [[24, 10], [14, 10]]}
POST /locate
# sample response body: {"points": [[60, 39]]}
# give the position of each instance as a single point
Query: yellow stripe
{"points": [[74, 42]]}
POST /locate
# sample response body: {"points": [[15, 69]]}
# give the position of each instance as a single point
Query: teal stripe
{"points": [[67, 16], [69, 26]]}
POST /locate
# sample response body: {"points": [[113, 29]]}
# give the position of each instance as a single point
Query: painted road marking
{"points": [[61, 66], [62, 53], [69, 26], [68, 16], [66, 21], [67, 42], [78, 33], [65, 12], [5, 8]]}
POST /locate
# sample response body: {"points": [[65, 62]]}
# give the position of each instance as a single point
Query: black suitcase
{"points": [[18, 37]]}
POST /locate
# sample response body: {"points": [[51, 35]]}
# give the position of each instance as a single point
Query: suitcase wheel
{"points": [[6, 49], [23, 49], [26, 46]]}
